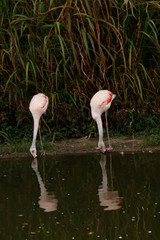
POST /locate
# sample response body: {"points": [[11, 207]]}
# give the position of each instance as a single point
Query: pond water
{"points": [[90, 196]]}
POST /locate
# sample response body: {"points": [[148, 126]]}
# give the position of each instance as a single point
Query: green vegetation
{"points": [[69, 50]]}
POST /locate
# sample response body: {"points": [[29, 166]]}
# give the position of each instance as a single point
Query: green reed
{"points": [[70, 49]]}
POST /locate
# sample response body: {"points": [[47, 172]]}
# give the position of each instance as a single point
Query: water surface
{"points": [[81, 197]]}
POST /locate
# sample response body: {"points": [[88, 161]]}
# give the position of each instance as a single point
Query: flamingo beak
{"points": [[103, 149]]}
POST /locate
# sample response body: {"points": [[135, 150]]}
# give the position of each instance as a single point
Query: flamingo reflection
{"points": [[47, 200], [107, 197]]}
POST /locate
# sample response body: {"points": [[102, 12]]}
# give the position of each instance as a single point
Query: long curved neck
{"points": [[35, 130], [100, 131], [41, 184], [104, 178]]}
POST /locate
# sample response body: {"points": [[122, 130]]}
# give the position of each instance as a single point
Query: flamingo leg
{"points": [[42, 149], [109, 143]]}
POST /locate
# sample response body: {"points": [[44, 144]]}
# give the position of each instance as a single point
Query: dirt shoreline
{"points": [[82, 146], [123, 144]]}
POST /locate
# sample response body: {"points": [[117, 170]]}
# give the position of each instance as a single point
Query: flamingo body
{"points": [[100, 103], [37, 107]]}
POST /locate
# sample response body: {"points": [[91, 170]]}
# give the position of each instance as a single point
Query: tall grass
{"points": [[70, 49]]}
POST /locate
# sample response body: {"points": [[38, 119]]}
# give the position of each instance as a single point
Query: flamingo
{"points": [[107, 196], [47, 200], [37, 107], [100, 103]]}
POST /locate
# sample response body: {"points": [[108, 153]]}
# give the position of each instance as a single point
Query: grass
{"points": [[21, 147], [150, 141], [71, 49]]}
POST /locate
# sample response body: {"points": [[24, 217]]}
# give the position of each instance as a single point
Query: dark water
{"points": [[81, 197]]}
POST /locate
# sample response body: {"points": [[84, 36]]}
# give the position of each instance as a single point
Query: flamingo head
{"points": [[102, 148], [33, 151]]}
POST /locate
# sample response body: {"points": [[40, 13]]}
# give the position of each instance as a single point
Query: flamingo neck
{"points": [[41, 184], [104, 178], [35, 130], [100, 131]]}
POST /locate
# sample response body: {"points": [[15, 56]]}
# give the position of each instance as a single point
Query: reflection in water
{"points": [[107, 197], [47, 201]]}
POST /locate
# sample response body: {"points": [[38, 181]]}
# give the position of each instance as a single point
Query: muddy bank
{"points": [[82, 145], [123, 144]]}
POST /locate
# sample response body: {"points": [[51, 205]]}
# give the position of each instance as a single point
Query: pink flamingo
{"points": [[100, 103], [107, 196], [47, 200], [37, 107]]}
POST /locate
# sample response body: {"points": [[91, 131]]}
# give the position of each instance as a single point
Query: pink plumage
{"points": [[100, 103], [37, 107], [38, 104]]}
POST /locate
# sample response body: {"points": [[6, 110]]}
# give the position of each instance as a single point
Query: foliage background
{"points": [[71, 49]]}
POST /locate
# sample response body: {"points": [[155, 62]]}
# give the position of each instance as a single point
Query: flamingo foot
{"points": [[109, 149], [43, 152], [102, 149]]}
